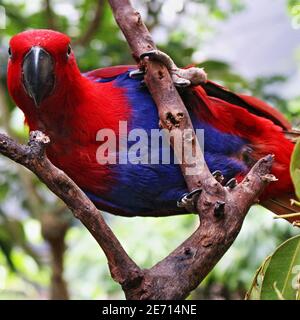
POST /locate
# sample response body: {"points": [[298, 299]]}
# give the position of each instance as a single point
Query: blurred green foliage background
{"points": [[44, 252]]}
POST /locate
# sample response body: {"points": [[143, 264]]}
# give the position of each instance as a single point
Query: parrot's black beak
{"points": [[38, 74]]}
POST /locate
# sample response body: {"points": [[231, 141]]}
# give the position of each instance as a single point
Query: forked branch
{"points": [[221, 209]]}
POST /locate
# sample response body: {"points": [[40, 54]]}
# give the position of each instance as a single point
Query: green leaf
{"points": [[282, 276], [255, 290], [295, 168]]}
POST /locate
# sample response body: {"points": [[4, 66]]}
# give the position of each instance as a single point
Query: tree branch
{"points": [[172, 112], [180, 272], [221, 210], [33, 157], [54, 225]]}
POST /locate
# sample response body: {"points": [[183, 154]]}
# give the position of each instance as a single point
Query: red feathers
{"points": [[78, 106], [261, 132], [109, 72]]}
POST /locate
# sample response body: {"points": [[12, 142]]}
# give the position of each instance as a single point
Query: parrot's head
{"points": [[40, 62]]}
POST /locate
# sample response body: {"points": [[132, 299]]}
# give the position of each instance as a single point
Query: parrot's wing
{"points": [[109, 72], [252, 104]]}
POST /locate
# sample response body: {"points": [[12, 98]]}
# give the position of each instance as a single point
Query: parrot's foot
{"points": [[137, 74], [188, 200], [232, 183], [218, 176], [181, 77]]}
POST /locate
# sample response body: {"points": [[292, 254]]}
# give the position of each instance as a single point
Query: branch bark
{"points": [[221, 210], [172, 112], [33, 157], [172, 278], [180, 272], [54, 226]]}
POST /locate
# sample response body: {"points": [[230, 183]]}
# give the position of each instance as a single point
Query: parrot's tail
{"points": [[284, 208]]}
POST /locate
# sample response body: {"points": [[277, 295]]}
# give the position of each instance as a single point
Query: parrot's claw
{"points": [[152, 54], [180, 82], [188, 200], [218, 176], [181, 77], [137, 74], [219, 209], [232, 183]]}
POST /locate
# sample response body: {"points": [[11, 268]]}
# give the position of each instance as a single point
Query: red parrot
{"points": [[71, 107]]}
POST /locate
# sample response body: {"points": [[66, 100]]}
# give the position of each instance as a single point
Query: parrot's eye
{"points": [[9, 52], [69, 51]]}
